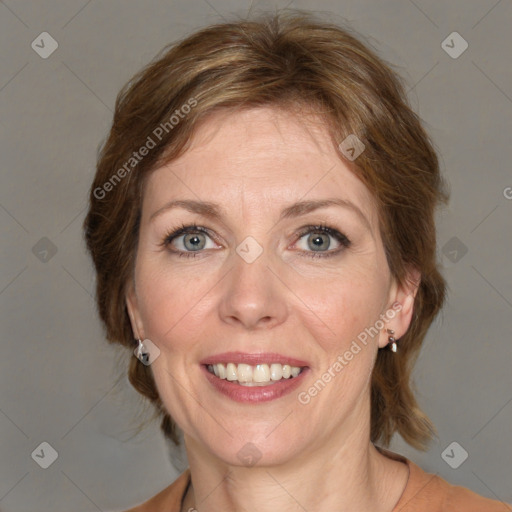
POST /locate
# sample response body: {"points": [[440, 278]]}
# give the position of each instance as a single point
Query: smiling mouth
{"points": [[254, 375]]}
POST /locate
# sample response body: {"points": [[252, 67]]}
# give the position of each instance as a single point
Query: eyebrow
{"points": [[214, 211]]}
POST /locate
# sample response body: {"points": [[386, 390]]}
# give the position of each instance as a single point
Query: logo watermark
{"points": [[304, 397], [150, 143]]}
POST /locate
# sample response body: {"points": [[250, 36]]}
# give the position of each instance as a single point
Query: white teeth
{"points": [[276, 371], [244, 372], [261, 373], [230, 371], [258, 375], [222, 371]]}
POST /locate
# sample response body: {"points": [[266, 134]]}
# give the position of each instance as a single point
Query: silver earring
{"points": [[392, 340], [140, 349]]}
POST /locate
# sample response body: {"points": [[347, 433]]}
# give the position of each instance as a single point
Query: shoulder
{"points": [[454, 498], [167, 500], [428, 492], [461, 498]]}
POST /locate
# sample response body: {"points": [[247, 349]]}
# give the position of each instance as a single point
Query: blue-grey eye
{"points": [[188, 239], [194, 241], [318, 241]]}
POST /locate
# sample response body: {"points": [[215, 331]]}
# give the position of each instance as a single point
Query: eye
{"points": [[187, 240], [318, 241]]}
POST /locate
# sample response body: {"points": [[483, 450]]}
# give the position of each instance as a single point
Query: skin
{"points": [[253, 164]]}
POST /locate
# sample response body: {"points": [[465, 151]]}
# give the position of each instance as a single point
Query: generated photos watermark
{"points": [[150, 143], [304, 397]]}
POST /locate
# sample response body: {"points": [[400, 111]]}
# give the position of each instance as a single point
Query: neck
{"points": [[353, 476]]}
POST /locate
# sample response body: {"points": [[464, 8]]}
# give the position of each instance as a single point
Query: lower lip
{"points": [[254, 394]]}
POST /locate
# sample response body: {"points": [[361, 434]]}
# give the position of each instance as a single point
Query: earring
{"points": [[392, 340], [140, 349]]}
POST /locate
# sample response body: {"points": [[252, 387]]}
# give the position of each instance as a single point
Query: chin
{"points": [[257, 450]]}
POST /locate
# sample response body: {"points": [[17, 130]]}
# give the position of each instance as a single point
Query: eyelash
{"points": [[185, 229]]}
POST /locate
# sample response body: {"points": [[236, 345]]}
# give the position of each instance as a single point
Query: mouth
{"points": [[253, 378], [254, 375]]}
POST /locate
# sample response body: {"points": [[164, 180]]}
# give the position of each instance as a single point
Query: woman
{"points": [[262, 223]]}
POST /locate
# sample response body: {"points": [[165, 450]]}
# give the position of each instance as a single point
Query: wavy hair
{"points": [[296, 61]]}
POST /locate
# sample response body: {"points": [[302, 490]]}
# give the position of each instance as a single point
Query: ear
{"points": [[133, 311], [398, 314]]}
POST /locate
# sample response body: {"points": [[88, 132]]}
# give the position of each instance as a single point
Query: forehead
{"points": [[266, 155]]}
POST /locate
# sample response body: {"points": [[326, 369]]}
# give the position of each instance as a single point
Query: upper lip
{"points": [[253, 358]]}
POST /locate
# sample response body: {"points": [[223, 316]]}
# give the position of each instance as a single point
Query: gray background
{"points": [[58, 375]]}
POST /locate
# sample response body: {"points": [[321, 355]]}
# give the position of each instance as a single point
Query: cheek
{"points": [[171, 304], [339, 314], [341, 327], [340, 308]]}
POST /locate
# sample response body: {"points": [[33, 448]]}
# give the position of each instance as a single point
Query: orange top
{"points": [[424, 492]]}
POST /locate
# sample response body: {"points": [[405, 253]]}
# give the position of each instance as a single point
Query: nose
{"points": [[253, 296]]}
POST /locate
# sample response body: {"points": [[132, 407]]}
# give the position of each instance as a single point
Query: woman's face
{"points": [[258, 277]]}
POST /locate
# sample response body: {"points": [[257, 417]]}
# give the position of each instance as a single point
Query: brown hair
{"points": [[287, 60]]}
